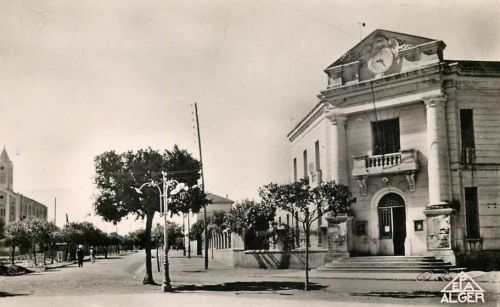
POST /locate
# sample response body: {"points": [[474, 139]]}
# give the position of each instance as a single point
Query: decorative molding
{"points": [[336, 118], [437, 101], [363, 186], [410, 177]]}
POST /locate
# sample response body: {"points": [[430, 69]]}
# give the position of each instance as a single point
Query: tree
{"points": [[252, 220], [17, 236], [36, 231], [84, 233], [117, 176], [328, 197], [2, 229]]}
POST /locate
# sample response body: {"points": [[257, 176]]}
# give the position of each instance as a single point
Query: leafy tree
{"points": [[118, 175], [17, 236], [216, 222], [2, 229], [84, 233], [326, 198], [196, 231], [36, 231], [48, 236], [252, 220], [115, 240]]}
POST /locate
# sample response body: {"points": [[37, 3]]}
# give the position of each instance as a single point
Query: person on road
{"points": [[79, 255], [93, 253]]}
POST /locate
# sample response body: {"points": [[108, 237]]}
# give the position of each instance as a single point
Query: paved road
{"points": [[119, 281]]}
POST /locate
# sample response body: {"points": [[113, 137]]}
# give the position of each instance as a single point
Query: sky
{"points": [[78, 78]]}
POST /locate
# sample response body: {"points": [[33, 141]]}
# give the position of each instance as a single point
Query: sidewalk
{"points": [[195, 264], [478, 276], [168, 299]]}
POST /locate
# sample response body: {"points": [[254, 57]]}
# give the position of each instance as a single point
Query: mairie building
{"points": [[14, 206], [416, 138]]}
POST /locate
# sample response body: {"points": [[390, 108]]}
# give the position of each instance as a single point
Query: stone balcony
{"points": [[398, 162], [404, 161]]}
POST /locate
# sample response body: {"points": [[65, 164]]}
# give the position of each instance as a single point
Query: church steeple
{"points": [[4, 156], [6, 170]]}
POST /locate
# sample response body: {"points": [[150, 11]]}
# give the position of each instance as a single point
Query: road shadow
{"points": [[6, 294], [399, 294], [14, 270], [249, 286], [109, 258]]}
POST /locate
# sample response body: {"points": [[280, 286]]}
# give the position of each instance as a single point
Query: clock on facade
{"points": [[381, 61]]}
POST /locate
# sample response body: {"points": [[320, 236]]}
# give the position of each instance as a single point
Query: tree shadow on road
{"points": [[6, 294], [249, 286], [399, 294]]}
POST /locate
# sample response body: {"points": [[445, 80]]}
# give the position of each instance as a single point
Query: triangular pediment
{"points": [[403, 42]]}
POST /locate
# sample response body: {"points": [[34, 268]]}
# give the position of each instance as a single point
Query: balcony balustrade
{"points": [[402, 161]]}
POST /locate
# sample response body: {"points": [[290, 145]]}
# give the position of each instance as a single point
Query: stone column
{"points": [[338, 148], [438, 213], [438, 165]]}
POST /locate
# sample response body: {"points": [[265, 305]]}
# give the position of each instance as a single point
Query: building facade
{"points": [[416, 139], [221, 241], [14, 206]]}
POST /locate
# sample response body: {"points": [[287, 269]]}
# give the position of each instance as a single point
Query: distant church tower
{"points": [[6, 171]]}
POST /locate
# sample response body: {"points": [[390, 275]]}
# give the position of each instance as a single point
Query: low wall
{"points": [[269, 259], [224, 256]]}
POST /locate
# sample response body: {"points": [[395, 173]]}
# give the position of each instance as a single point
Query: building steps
{"points": [[387, 264]]}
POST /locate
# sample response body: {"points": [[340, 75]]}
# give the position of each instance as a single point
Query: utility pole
{"points": [[205, 233], [55, 210]]}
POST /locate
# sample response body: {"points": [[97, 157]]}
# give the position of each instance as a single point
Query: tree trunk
{"points": [[308, 233], [51, 253], [147, 247], [13, 253], [34, 254], [43, 254], [307, 230], [157, 259]]}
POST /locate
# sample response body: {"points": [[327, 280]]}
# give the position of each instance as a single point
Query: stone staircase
{"points": [[387, 264]]}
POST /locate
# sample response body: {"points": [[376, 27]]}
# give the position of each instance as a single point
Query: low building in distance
{"points": [[15, 206]]}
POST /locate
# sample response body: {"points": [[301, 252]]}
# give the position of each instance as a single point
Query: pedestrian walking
{"points": [[79, 255], [93, 254]]}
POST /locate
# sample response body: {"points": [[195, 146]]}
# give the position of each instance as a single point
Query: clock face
{"points": [[381, 61]]}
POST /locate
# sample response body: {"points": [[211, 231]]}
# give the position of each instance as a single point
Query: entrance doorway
{"points": [[392, 221]]}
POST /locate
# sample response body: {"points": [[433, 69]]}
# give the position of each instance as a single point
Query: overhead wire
{"points": [[301, 12]]}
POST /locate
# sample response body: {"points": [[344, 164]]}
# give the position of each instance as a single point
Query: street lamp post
{"points": [[165, 286]]}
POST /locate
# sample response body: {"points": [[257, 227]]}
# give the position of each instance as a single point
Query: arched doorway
{"points": [[392, 221]]}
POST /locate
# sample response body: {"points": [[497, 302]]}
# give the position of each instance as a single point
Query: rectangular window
{"points": [[418, 225], [2, 212], [361, 228], [316, 152], [288, 219], [294, 169], [467, 136], [472, 213], [305, 163], [386, 136]]}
